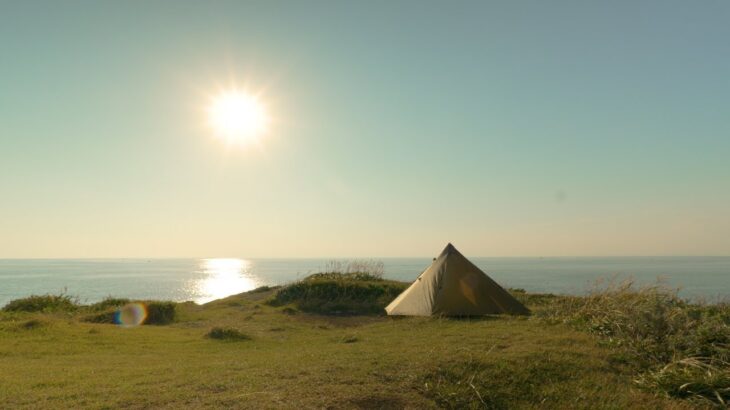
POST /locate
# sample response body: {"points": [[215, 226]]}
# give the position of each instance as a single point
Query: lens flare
{"points": [[130, 315]]}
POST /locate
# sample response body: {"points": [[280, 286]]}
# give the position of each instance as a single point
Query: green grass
{"points": [[307, 360]]}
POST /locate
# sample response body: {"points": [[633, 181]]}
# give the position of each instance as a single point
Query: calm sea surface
{"points": [[202, 280]]}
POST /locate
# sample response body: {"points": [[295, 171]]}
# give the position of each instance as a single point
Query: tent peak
{"points": [[449, 248]]}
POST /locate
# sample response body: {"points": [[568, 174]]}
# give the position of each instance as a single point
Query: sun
{"points": [[238, 116]]}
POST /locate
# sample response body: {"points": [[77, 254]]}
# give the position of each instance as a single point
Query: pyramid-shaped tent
{"points": [[453, 286]]}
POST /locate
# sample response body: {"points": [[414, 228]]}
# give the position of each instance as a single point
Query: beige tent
{"points": [[453, 286]]}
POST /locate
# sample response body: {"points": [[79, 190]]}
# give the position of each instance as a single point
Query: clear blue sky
{"points": [[507, 127]]}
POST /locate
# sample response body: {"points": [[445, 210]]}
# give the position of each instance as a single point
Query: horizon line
{"points": [[353, 257]]}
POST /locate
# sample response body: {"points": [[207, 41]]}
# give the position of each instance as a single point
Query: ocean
{"points": [[203, 280]]}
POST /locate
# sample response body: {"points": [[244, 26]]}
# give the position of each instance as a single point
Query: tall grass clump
{"points": [[360, 289], [357, 269], [679, 348], [227, 333], [701, 380], [43, 303]]}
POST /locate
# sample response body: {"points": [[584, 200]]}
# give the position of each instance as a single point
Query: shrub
{"points": [[43, 303], [160, 313], [334, 293], [108, 303], [227, 333]]}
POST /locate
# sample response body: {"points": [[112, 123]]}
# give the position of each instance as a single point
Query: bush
{"points": [[108, 303], [334, 293], [227, 333], [43, 303], [158, 313]]}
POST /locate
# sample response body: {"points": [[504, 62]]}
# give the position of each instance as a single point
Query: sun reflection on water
{"points": [[224, 277]]}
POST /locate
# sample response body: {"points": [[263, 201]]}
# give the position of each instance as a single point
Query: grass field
{"points": [[242, 352]]}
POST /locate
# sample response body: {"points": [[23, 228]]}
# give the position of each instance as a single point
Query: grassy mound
{"points": [[679, 348], [43, 303], [354, 293]]}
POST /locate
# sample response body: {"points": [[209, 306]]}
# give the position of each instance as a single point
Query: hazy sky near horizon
{"points": [[520, 128]]}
